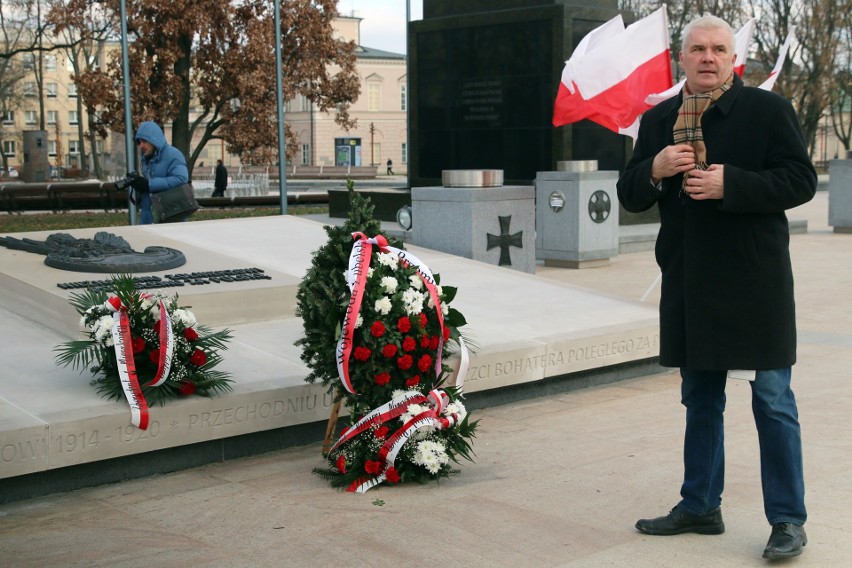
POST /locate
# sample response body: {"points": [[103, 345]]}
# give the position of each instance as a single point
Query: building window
{"points": [[9, 117], [404, 153], [72, 90], [9, 148], [50, 63], [306, 154], [51, 89], [72, 117], [403, 97], [52, 116], [29, 61], [29, 89], [51, 148], [73, 147], [374, 96], [30, 117], [99, 145]]}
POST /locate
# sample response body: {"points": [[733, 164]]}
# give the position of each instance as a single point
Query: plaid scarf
{"points": [[687, 128]]}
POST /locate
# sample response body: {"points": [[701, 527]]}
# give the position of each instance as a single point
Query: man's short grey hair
{"points": [[708, 23]]}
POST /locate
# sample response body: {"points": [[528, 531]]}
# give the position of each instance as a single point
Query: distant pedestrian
{"points": [[221, 183], [390, 167]]}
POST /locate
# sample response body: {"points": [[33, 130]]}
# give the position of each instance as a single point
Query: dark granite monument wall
{"points": [[484, 76]]}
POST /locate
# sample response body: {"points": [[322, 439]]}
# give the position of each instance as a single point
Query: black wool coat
{"points": [[727, 285]]}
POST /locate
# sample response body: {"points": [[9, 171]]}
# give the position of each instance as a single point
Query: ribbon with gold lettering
{"points": [[127, 370], [431, 417]]}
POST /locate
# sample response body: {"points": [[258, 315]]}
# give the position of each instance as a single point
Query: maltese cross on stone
{"points": [[504, 240]]}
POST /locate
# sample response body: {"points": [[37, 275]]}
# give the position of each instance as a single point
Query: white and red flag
{"points": [[613, 70], [782, 55]]}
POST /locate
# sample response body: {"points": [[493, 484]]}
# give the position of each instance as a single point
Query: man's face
{"points": [[145, 147], [708, 59]]}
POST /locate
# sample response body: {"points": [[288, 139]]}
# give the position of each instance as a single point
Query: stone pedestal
{"points": [[576, 217], [495, 225], [840, 195]]}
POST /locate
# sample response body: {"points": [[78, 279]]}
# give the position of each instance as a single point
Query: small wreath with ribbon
{"points": [[144, 347]]}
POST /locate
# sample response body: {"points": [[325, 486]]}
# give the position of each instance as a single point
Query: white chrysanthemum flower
{"points": [[346, 275], [359, 321], [103, 327], [455, 408], [389, 283], [184, 317], [414, 308], [109, 342], [149, 302], [388, 259], [445, 309], [431, 455], [415, 282], [370, 272], [383, 306]]}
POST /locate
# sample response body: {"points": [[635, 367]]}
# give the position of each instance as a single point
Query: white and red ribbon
{"points": [[127, 371], [394, 443], [167, 345]]}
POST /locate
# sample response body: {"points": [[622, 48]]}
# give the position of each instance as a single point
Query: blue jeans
{"points": [[777, 421]]}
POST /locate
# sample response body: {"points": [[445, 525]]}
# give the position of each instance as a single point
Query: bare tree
{"points": [[812, 61], [840, 96]]}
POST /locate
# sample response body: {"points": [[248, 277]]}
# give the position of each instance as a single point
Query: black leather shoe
{"points": [[785, 541], [679, 521]]}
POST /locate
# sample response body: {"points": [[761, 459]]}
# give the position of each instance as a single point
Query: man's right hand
{"points": [[672, 160]]}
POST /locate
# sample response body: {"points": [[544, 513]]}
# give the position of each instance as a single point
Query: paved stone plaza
{"points": [[559, 481]]}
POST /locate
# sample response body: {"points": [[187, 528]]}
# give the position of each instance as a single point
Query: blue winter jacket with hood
{"points": [[165, 168]]}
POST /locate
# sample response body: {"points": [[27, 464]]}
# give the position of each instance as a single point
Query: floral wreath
{"points": [[397, 330], [145, 347]]}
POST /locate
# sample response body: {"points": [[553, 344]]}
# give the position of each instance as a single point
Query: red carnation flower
{"points": [[190, 334], [413, 381], [424, 363], [377, 329], [446, 333], [198, 358], [433, 343], [382, 379], [408, 344], [138, 344], [154, 355], [389, 350], [341, 464], [404, 324], [392, 475], [423, 320], [405, 362], [381, 432], [186, 388], [362, 353], [424, 342], [373, 467]]}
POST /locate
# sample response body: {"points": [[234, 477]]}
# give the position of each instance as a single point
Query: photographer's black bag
{"points": [[174, 205]]}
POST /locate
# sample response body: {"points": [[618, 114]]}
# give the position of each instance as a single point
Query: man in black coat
{"points": [[220, 184], [722, 162]]}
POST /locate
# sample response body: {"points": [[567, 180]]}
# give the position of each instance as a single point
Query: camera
{"points": [[127, 181]]}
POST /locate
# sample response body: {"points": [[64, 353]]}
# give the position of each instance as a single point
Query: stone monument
{"points": [[474, 215], [483, 80], [576, 215], [840, 195]]}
